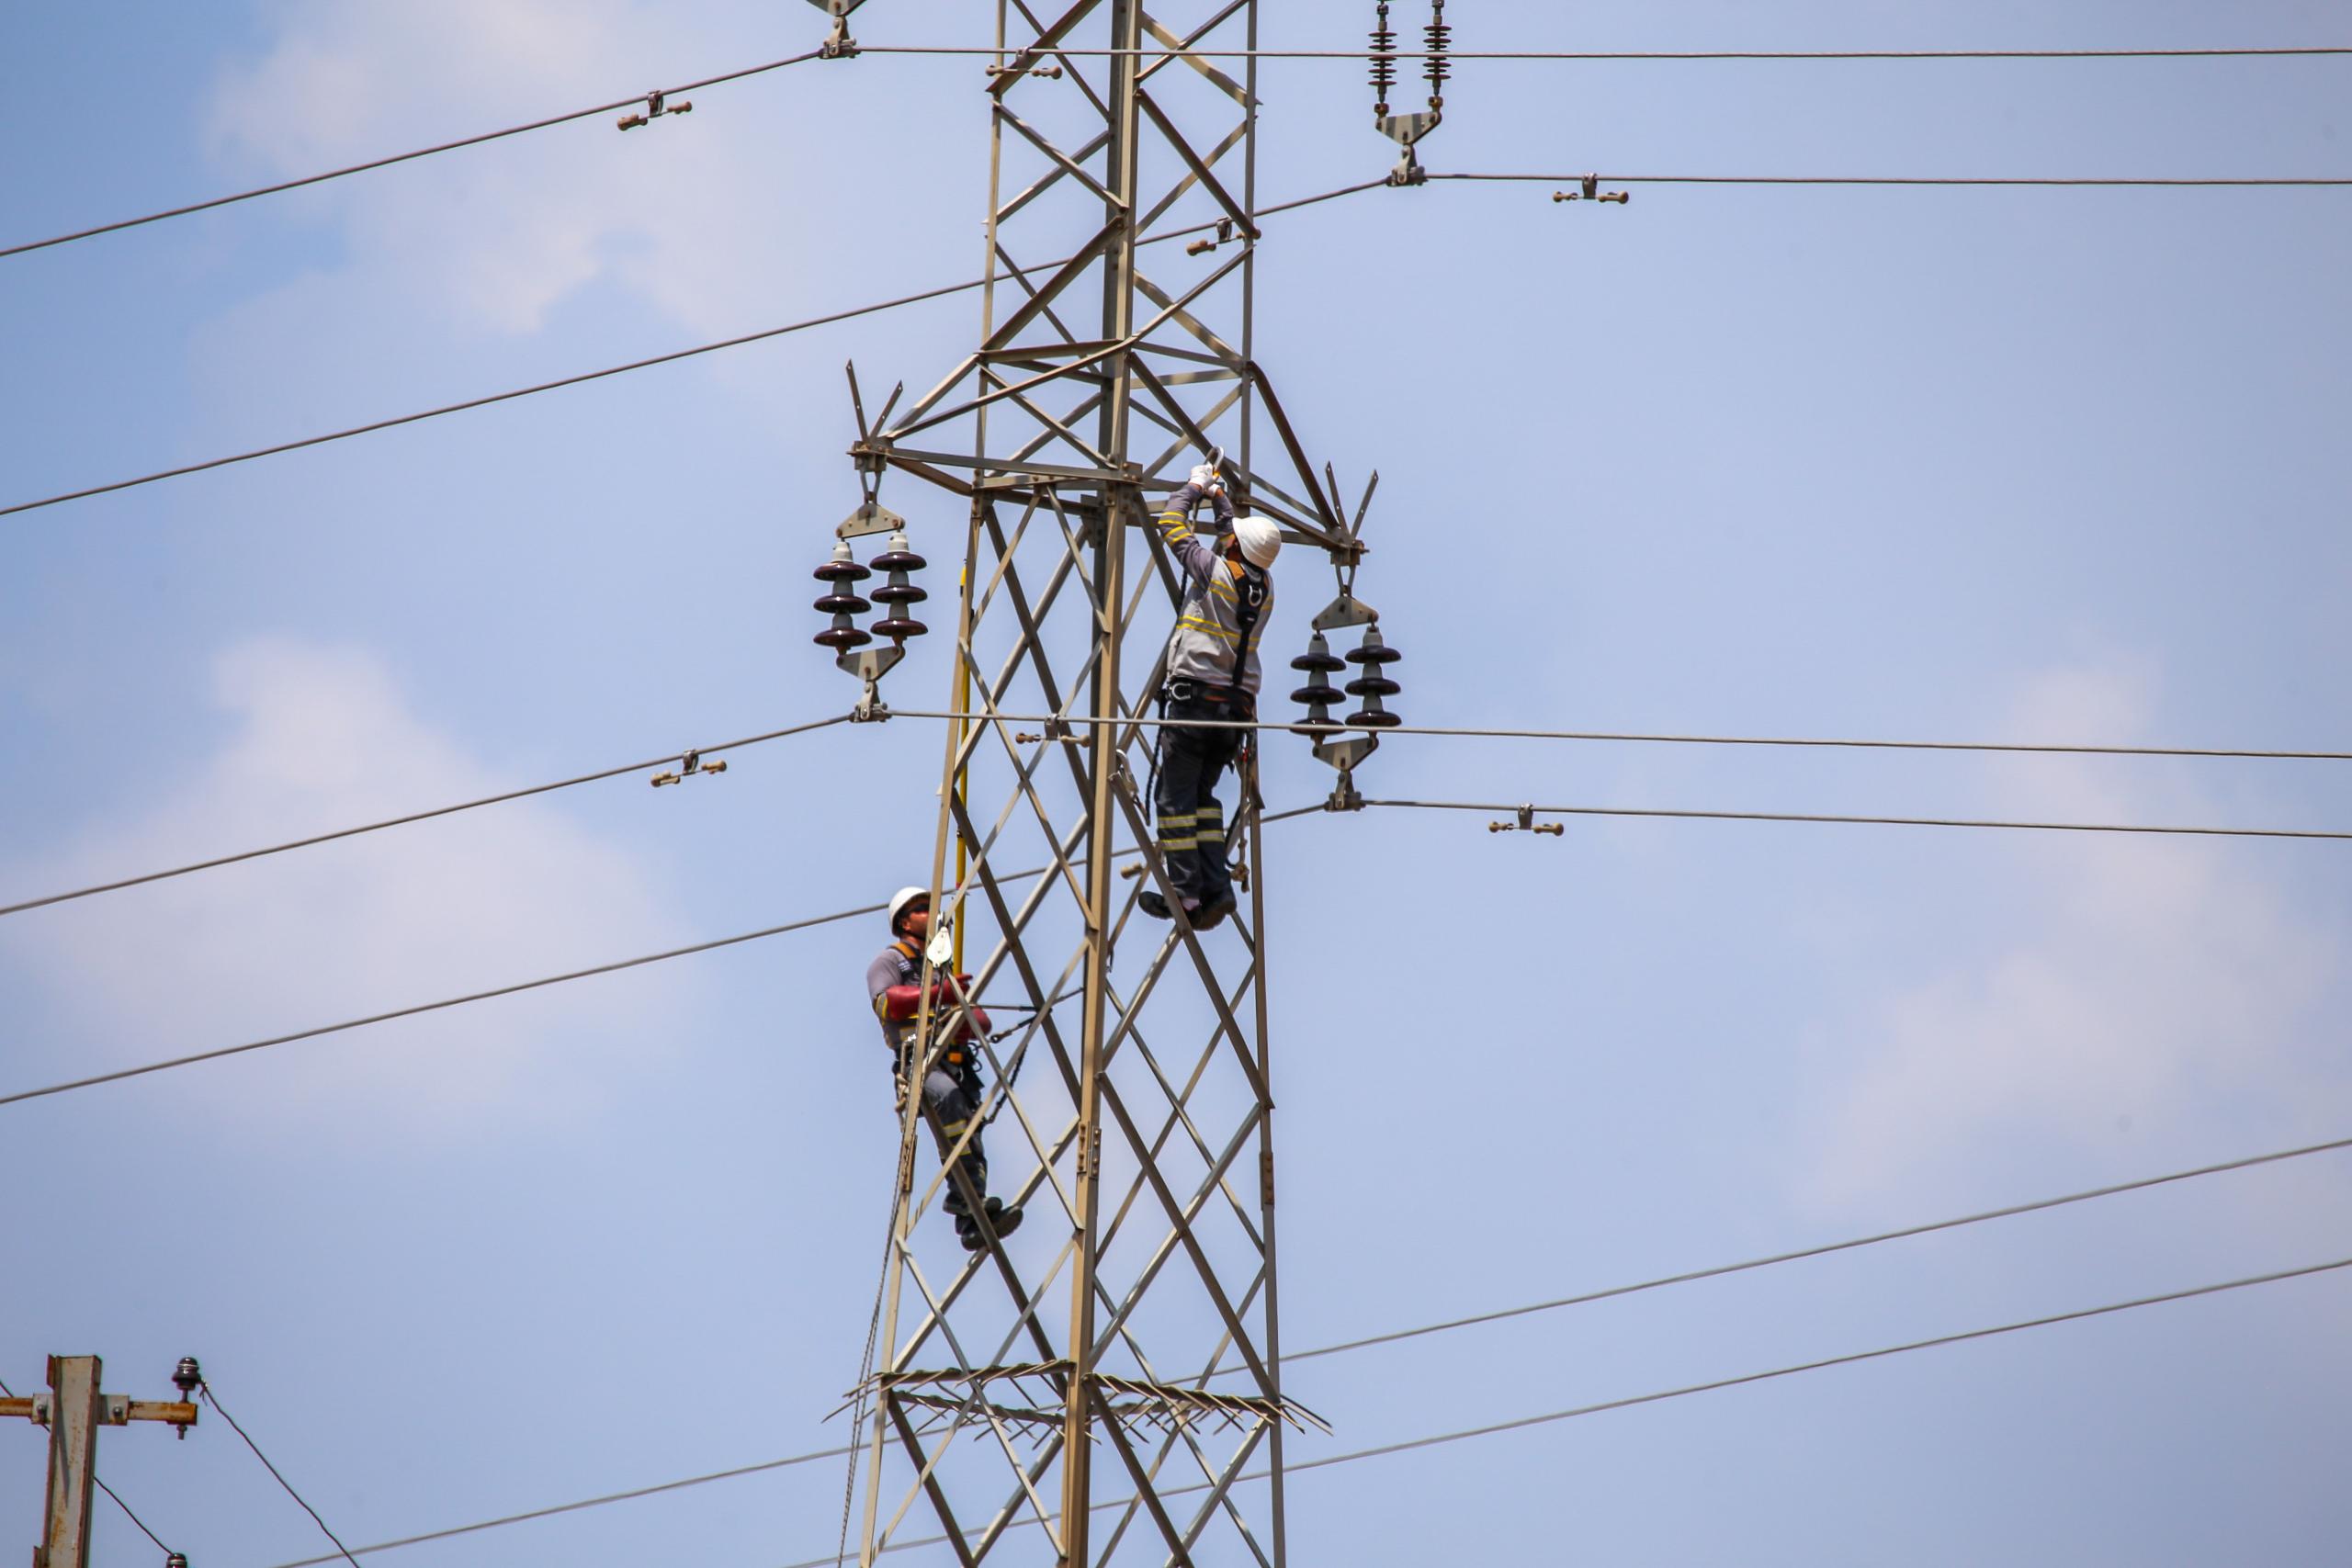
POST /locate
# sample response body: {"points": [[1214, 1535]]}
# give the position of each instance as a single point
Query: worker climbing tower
{"points": [[1105, 1386]]}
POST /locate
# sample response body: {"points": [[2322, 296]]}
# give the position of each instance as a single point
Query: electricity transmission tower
{"points": [[1111, 1376]]}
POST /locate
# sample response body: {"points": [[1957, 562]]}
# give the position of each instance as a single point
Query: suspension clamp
{"points": [[1344, 796], [656, 105], [838, 44]]}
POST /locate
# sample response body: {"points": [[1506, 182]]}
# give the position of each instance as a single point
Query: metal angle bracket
{"points": [[1405, 130], [871, 517], [869, 665], [1345, 755], [1345, 610]]}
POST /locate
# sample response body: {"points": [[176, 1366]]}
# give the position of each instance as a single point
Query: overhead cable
{"points": [[205, 1387], [1499, 734], [1584, 735], [614, 967], [134, 1519], [2122, 181], [672, 356], [946, 289], [313, 1033], [1880, 822], [1523, 1423], [573, 1507], [1692, 1276], [413, 817], [1625, 54], [2038, 1205], [475, 140]]}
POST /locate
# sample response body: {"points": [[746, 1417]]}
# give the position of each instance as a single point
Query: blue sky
{"points": [[1969, 464]]}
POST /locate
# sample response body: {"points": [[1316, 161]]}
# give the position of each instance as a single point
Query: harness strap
{"points": [[1249, 604]]}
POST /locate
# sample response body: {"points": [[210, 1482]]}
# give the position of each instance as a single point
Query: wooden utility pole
{"points": [[74, 1409]]}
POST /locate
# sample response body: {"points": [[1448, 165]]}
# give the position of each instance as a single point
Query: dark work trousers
{"points": [[1192, 822], [950, 1100]]}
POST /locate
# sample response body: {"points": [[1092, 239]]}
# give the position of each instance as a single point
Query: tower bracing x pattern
{"points": [[1105, 1386]]}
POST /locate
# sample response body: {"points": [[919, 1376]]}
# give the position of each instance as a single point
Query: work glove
{"points": [[1206, 476]]}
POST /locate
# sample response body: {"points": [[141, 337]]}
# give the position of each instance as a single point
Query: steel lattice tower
{"points": [[1131, 1326]]}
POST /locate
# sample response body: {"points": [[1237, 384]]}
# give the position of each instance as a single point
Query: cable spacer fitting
{"points": [[1592, 192], [656, 105], [690, 764]]}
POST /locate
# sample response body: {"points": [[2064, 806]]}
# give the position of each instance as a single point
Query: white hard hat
{"points": [[901, 899], [1261, 541]]}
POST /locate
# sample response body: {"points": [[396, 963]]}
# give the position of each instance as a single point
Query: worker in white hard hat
{"points": [[1212, 675], [950, 1071]]}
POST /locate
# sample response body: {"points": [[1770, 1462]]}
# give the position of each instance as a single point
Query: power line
{"points": [[476, 141], [584, 1503], [1297, 811], [1719, 1271], [1688, 1277], [673, 356], [1560, 54], [214, 1400], [145, 878], [2114, 181], [1498, 733], [1557, 55], [947, 290], [1881, 821], [1584, 735], [1523, 1423], [509, 990], [134, 1519], [313, 1033]]}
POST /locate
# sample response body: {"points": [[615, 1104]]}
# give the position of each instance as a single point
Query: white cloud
{"points": [[2155, 984], [321, 739], [499, 236]]}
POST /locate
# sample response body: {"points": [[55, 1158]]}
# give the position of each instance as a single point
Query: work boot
{"points": [[1152, 904], [1211, 914], [1000, 1220]]}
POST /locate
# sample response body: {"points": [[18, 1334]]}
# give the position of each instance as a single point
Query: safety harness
{"points": [[1248, 607], [957, 1058]]}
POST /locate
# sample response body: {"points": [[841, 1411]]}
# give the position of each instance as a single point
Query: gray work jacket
{"points": [[896, 967], [1219, 597]]}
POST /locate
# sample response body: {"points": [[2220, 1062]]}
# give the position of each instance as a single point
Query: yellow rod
{"points": [[963, 706]]}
